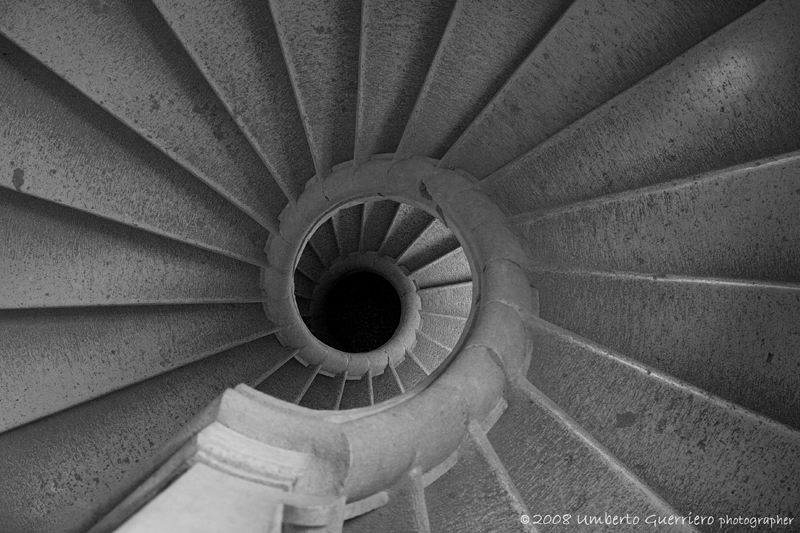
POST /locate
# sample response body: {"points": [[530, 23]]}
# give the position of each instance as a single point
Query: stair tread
{"points": [[323, 392], [303, 285], [407, 224], [63, 471], [668, 125], [429, 352], [385, 386], [476, 495], [320, 41], [378, 218], [235, 45], [736, 341], [125, 58], [323, 241], [83, 260], [435, 241], [679, 440], [405, 512], [684, 227], [451, 268], [56, 358], [444, 329], [347, 223], [481, 47], [286, 382], [585, 59], [454, 299], [310, 264], [398, 43], [357, 393], [64, 148], [560, 471], [410, 373]]}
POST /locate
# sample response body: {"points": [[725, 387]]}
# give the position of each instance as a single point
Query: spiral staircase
{"points": [[589, 213]]}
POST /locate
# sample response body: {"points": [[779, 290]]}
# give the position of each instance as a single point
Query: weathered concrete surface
{"points": [[409, 372], [559, 470], [323, 241], [736, 223], [235, 45], [483, 43], [56, 144], [59, 473], [378, 216], [454, 300], [310, 264], [398, 43], [435, 241], [348, 223], [124, 57], [595, 51], [476, 495], [56, 358], [405, 513], [730, 99], [442, 328], [685, 444], [385, 386], [323, 393], [453, 267], [56, 256], [357, 393], [738, 341], [408, 223], [287, 382], [320, 41], [429, 352]]}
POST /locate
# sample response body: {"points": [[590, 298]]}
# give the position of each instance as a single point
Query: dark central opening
{"points": [[362, 312]]}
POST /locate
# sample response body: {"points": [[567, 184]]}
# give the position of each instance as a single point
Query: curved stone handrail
{"points": [[352, 456]]}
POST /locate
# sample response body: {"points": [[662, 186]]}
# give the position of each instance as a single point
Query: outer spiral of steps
{"points": [[178, 178]]}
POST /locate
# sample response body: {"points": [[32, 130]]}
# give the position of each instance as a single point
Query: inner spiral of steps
{"points": [[382, 291]]}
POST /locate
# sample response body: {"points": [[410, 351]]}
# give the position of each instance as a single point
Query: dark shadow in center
{"points": [[362, 312]]}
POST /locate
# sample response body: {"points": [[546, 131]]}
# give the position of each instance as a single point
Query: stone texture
{"points": [[125, 58], [736, 223], [235, 45], [408, 223], [483, 44], [740, 85], [444, 329], [409, 373], [323, 392], [558, 472], [476, 494], [320, 41], [738, 341], [435, 241], [56, 358], [378, 218], [405, 512], [454, 300], [287, 382], [429, 353], [398, 43], [447, 270], [357, 393], [62, 147], [680, 441], [60, 473], [594, 52], [82, 260]]}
